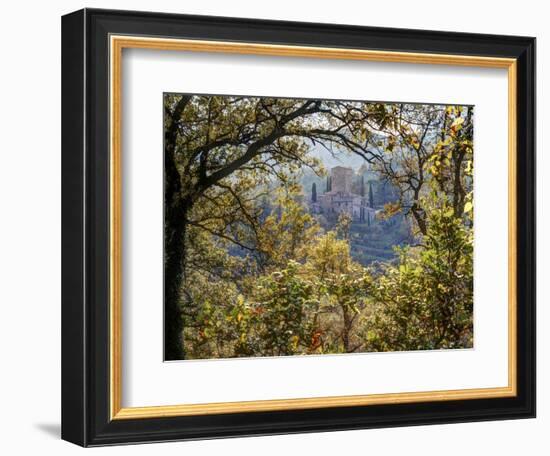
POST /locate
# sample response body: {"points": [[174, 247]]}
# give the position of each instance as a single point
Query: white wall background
{"points": [[30, 193]]}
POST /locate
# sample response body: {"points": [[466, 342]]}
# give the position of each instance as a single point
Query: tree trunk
{"points": [[175, 222], [174, 279], [420, 218], [346, 329]]}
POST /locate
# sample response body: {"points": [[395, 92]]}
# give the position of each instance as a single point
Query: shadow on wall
{"points": [[51, 429]]}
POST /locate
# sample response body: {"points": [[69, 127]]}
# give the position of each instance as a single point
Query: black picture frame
{"points": [[85, 228]]}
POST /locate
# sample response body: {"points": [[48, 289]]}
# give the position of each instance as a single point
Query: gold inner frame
{"points": [[117, 44]]}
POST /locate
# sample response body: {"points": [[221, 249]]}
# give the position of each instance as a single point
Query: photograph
{"points": [[316, 226]]}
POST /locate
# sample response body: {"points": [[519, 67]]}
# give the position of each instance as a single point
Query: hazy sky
{"points": [[343, 158]]}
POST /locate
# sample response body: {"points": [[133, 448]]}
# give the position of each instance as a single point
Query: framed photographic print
{"points": [[274, 227]]}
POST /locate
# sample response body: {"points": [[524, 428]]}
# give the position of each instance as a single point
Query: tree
{"points": [[280, 309], [426, 301], [339, 281], [286, 233], [218, 151], [343, 226], [314, 192], [362, 186], [410, 140], [371, 198], [209, 139]]}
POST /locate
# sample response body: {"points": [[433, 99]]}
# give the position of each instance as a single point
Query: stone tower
{"points": [[341, 178]]}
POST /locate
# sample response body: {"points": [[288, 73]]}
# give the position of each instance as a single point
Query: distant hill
{"points": [[370, 242]]}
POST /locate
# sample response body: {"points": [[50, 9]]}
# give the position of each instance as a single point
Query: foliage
{"points": [[426, 301], [250, 271]]}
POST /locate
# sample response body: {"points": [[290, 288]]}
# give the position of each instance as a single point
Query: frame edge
{"points": [[73, 320]]}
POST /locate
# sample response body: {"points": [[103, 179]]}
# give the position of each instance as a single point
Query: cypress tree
{"points": [[314, 192], [371, 198], [363, 186]]}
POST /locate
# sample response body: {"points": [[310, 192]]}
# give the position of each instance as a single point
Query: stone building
{"points": [[341, 179], [340, 198]]}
